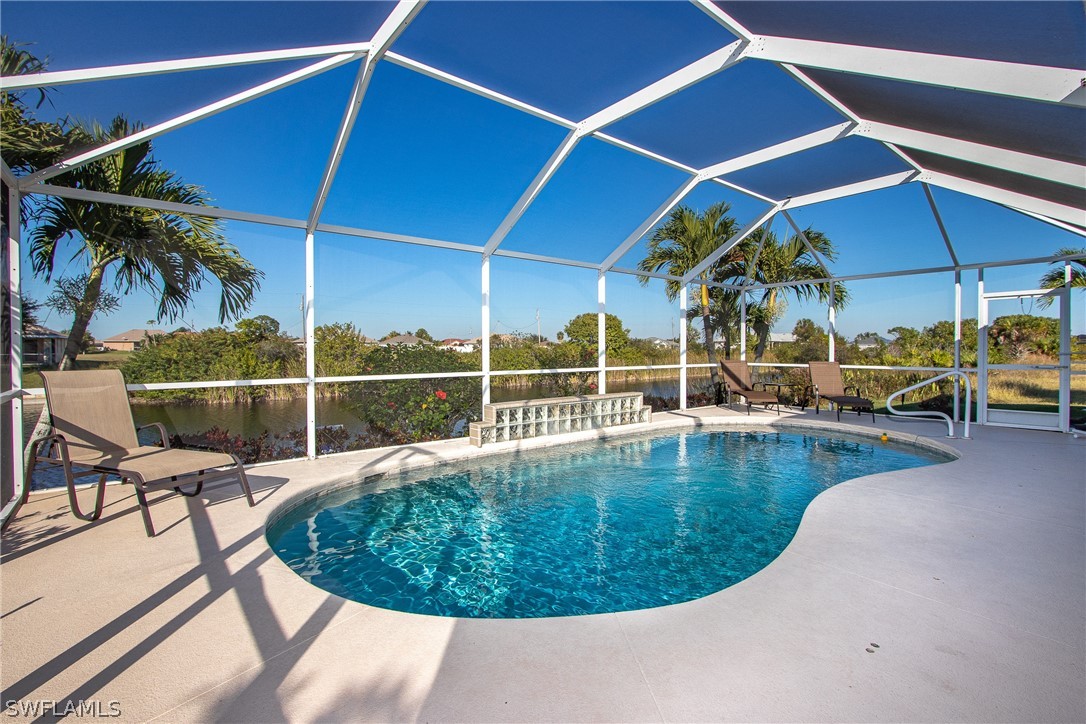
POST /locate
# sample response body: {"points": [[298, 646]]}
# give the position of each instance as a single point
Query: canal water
{"points": [[278, 416]]}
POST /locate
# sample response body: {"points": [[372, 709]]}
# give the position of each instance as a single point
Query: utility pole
{"points": [[538, 335]]}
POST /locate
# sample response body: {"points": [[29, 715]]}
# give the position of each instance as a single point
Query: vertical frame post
{"points": [[832, 316], [683, 302], [957, 342], [743, 326], [484, 341], [310, 348], [601, 357], [1065, 350], [12, 242], [982, 351]]}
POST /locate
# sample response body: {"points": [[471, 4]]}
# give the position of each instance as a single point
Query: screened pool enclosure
{"points": [[492, 171]]}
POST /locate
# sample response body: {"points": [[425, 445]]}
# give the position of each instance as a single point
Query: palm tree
{"points": [[1054, 278], [680, 244], [788, 261], [167, 253]]}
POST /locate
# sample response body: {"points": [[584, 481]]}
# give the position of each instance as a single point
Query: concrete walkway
{"points": [[969, 576]]}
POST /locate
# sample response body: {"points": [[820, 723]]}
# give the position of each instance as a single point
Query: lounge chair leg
{"points": [[244, 481], [145, 510], [73, 501]]}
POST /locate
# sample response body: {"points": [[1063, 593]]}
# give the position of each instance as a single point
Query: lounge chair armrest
{"points": [[161, 431], [756, 385], [856, 388]]}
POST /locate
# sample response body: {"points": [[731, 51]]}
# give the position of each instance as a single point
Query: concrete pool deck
{"points": [[970, 576]]}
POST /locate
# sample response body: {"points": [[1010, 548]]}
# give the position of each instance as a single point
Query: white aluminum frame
{"points": [[1052, 85]]}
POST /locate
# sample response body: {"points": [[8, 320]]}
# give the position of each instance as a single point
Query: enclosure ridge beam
{"points": [[730, 243], [133, 70], [939, 222], [655, 218], [779, 150], [1017, 80], [1060, 212], [839, 192], [1049, 169], [534, 188], [185, 119], [212, 212], [669, 85], [396, 22]]}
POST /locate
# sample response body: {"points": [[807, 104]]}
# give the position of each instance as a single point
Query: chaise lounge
{"points": [[827, 385], [93, 431], [737, 382]]}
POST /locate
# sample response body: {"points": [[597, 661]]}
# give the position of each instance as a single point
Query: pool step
{"points": [[516, 420]]}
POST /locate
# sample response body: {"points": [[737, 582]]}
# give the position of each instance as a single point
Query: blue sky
{"points": [[431, 160]]}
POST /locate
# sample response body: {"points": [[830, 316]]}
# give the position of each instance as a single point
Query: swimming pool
{"points": [[595, 527]]}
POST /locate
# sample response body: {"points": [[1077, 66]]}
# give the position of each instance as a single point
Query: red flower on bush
{"points": [[441, 394], [392, 405], [591, 385]]}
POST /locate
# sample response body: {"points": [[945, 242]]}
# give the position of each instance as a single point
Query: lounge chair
{"points": [[737, 382], [827, 385], [93, 431]]}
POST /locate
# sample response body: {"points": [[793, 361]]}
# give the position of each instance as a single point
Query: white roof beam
{"points": [[683, 78], [477, 89], [549, 169], [1023, 163], [807, 242], [730, 243], [402, 14], [137, 202], [1021, 202], [133, 70], [211, 109], [840, 192], [398, 238], [509, 253], [785, 148], [665, 208], [8, 175], [1058, 224], [1017, 80], [713, 10], [940, 224]]}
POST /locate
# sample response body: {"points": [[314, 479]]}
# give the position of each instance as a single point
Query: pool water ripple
{"points": [[586, 528]]}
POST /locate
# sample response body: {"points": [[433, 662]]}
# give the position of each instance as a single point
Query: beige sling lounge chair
{"points": [[737, 382], [93, 431], [827, 385]]}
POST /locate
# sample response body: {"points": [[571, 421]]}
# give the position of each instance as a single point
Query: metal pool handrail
{"points": [[936, 413]]}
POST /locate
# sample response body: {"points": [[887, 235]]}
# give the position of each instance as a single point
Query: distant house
{"points": [[42, 346], [662, 343], [870, 341], [405, 340], [131, 340], [457, 345], [776, 338]]}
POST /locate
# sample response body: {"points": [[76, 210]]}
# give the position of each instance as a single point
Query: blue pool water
{"points": [[587, 528]]}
